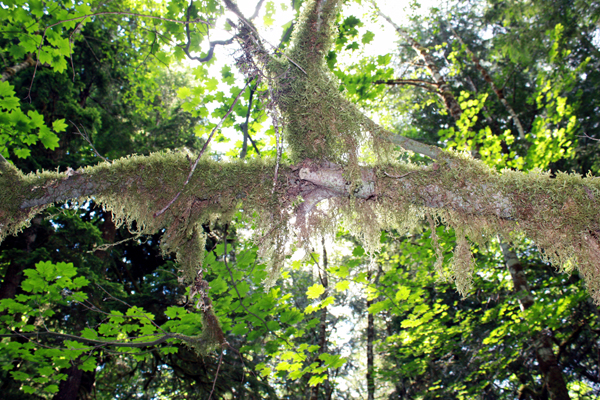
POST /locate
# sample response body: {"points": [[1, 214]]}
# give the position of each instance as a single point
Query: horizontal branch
{"points": [[559, 213], [457, 184], [412, 82], [100, 343]]}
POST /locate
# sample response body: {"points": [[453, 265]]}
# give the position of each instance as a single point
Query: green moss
{"points": [[135, 188], [320, 123], [560, 214], [15, 187]]}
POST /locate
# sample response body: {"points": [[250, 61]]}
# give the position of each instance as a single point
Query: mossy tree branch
{"points": [[314, 34], [464, 191]]}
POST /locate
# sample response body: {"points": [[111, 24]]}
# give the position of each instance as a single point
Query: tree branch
{"points": [[15, 69], [444, 89], [486, 76], [412, 82], [102, 343], [314, 36], [212, 44], [202, 151]]}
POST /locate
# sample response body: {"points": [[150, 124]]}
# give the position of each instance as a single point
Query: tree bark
{"points": [[15, 69], [552, 373], [323, 277], [534, 203], [542, 341], [370, 353], [69, 388]]}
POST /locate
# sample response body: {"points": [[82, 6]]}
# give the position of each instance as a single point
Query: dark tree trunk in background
{"points": [[323, 324], [69, 388], [552, 374], [14, 271], [370, 354], [79, 385]]}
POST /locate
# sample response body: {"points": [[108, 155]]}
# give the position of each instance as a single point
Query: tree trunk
{"points": [[14, 271], [323, 324], [553, 376], [69, 388], [370, 354], [542, 341]]}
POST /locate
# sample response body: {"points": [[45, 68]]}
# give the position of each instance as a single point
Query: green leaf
{"points": [[59, 125], [218, 286], [342, 285], [6, 89], [184, 92], [46, 269], [46, 371], [174, 312], [9, 103], [402, 293], [378, 307], [51, 389], [89, 364], [27, 389], [80, 282], [89, 333], [240, 329], [211, 84], [315, 291], [36, 118], [315, 380], [22, 152], [66, 270], [48, 138], [367, 37], [358, 251]]}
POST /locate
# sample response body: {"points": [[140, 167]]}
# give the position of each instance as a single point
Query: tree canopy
{"points": [[459, 168]]}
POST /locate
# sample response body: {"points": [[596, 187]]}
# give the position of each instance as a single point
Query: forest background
{"points": [[93, 306]]}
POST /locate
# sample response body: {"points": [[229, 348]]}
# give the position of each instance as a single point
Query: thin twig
{"points": [[101, 343], [177, 21], [401, 176], [211, 50], [257, 10], [585, 135], [87, 139], [245, 126], [202, 152], [130, 306], [412, 82], [233, 8], [216, 375]]}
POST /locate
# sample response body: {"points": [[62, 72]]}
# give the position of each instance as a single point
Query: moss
{"points": [[15, 188], [320, 123], [560, 214]]}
